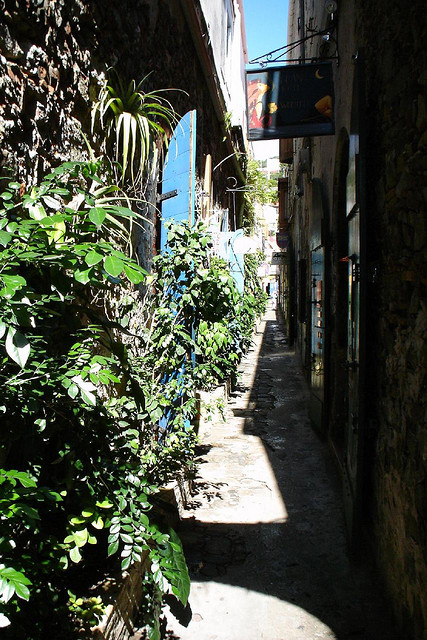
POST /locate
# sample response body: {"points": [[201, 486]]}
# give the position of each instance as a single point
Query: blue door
{"points": [[177, 202], [178, 184]]}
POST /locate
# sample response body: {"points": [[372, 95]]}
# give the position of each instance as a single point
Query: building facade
{"points": [[54, 58], [354, 292]]}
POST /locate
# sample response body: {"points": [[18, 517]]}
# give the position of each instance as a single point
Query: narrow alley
{"points": [[166, 167], [264, 536]]}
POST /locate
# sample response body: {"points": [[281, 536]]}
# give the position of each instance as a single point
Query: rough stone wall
{"points": [[396, 78], [118, 620], [53, 57], [46, 76], [390, 39]]}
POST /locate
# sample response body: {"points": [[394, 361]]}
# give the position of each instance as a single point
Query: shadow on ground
{"points": [[303, 560]]}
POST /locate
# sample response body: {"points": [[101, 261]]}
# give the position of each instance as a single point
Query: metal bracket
{"points": [[167, 195], [282, 52]]}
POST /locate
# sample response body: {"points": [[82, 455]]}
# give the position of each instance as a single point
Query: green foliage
{"points": [[169, 569], [78, 473], [89, 611], [169, 573], [12, 582], [227, 124], [96, 412], [151, 608], [254, 292], [258, 189], [132, 121], [204, 305]]}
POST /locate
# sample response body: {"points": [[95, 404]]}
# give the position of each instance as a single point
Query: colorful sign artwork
{"points": [[290, 102]]}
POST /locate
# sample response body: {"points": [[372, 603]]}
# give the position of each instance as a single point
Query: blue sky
{"points": [[266, 25]]}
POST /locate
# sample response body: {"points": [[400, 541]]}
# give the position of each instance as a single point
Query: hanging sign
{"points": [[283, 239], [290, 102], [278, 258]]}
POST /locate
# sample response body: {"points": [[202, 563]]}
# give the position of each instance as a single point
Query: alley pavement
{"points": [[264, 534]]}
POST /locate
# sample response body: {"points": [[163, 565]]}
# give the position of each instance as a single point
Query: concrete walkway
{"points": [[264, 536]]}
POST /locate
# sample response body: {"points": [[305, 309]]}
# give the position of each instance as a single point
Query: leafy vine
{"points": [[96, 410]]}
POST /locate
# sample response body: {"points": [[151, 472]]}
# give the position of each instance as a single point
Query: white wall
{"points": [[225, 21]]}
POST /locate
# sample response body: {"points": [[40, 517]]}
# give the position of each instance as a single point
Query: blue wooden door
{"points": [[177, 205], [178, 183]]}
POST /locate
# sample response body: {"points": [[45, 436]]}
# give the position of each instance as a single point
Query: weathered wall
{"points": [[396, 77], [389, 37], [54, 54], [46, 72]]}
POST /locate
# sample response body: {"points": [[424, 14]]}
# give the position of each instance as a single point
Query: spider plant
{"points": [[108, 203], [132, 121]]}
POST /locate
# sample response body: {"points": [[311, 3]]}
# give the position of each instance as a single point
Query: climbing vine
{"points": [[76, 480], [97, 402]]}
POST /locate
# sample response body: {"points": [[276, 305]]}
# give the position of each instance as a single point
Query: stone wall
{"points": [[390, 41], [53, 58], [396, 77], [119, 617], [54, 55], [46, 76]]}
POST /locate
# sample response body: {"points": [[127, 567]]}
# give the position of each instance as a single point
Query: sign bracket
{"points": [[326, 36], [167, 195]]}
